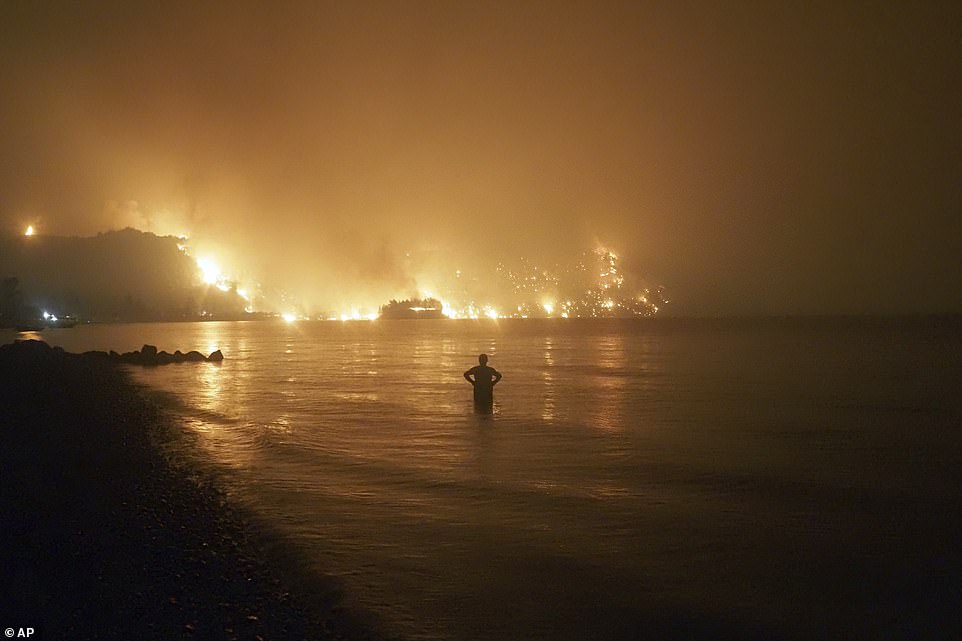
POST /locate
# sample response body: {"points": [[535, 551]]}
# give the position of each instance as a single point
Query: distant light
{"points": [[289, 317], [490, 312], [29, 231], [354, 314], [210, 271], [46, 316], [548, 307], [449, 311]]}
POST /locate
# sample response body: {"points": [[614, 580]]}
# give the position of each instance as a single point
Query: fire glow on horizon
{"points": [[593, 287], [591, 284], [210, 273]]}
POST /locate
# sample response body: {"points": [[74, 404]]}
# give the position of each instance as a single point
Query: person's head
{"points": [[483, 359]]}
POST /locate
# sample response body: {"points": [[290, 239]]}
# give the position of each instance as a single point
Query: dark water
{"points": [[789, 479]]}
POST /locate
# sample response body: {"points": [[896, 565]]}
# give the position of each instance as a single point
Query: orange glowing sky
{"points": [[750, 157]]}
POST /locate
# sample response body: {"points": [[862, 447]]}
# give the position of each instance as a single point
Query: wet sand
{"points": [[103, 538]]}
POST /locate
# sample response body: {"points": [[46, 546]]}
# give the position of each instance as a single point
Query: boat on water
{"points": [[412, 308], [60, 323], [39, 324]]}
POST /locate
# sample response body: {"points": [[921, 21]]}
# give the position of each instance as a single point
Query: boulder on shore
{"points": [[148, 355]]}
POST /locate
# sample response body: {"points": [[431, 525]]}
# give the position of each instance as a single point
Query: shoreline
{"points": [[104, 538]]}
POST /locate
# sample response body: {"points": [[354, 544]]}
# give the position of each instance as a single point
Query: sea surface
{"points": [[750, 478]]}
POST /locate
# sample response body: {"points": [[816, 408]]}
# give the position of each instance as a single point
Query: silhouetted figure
{"points": [[485, 378]]}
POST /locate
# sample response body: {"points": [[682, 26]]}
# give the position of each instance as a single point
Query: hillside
{"points": [[125, 275]]}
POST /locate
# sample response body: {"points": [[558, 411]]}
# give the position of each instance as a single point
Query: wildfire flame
{"points": [[211, 273], [209, 269], [594, 287]]}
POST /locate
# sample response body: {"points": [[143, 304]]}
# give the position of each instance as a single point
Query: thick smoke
{"points": [[780, 160]]}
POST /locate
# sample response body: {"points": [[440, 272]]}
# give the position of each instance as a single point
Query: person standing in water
{"points": [[484, 379]]}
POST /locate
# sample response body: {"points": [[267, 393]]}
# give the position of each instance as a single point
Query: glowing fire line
{"points": [[604, 295]]}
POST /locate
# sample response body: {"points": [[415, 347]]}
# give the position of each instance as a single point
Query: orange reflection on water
{"points": [[548, 409], [220, 423], [609, 406]]}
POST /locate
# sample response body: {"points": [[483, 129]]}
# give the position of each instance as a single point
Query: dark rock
{"points": [[15, 349], [34, 350], [32, 346], [147, 356]]}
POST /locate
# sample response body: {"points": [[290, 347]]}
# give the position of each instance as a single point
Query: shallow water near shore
{"points": [[782, 478]]}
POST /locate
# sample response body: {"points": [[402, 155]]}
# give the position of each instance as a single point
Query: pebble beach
{"points": [[103, 537]]}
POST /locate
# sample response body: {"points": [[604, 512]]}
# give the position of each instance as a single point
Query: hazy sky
{"points": [[751, 157]]}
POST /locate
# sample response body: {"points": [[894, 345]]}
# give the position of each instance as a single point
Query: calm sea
{"points": [[781, 478]]}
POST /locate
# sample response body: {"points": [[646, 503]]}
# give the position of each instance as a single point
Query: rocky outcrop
{"points": [[149, 356]]}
